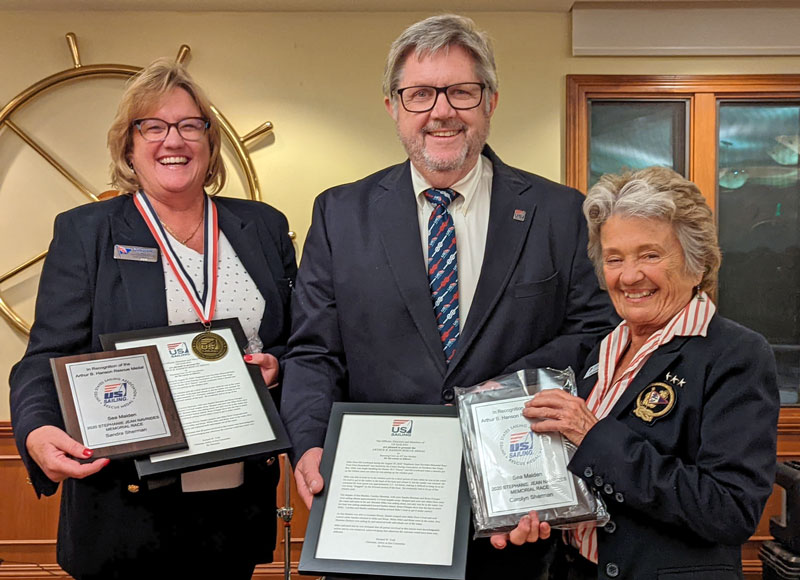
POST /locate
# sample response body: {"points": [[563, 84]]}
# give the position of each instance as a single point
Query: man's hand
{"points": [[529, 529], [268, 365], [307, 476], [53, 450]]}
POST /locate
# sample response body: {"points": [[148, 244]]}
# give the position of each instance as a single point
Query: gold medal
{"points": [[209, 346]]}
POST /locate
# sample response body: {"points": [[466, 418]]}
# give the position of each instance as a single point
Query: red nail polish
{"points": [[87, 452], [248, 357]]}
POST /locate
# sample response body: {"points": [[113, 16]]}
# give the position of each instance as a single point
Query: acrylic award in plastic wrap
{"points": [[510, 469]]}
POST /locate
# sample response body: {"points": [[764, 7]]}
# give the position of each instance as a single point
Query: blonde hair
{"points": [[143, 92], [657, 193]]}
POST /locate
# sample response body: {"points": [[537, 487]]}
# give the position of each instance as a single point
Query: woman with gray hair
{"points": [[203, 259], [676, 422]]}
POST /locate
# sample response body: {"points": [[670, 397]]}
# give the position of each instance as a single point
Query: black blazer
{"points": [[363, 324], [687, 490], [85, 292]]}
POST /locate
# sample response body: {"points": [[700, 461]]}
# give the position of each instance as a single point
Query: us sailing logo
{"points": [[115, 393], [402, 427], [177, 349], [519, 445]]}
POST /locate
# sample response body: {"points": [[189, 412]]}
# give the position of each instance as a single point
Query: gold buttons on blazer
{"points": [[132, 488], [270, 461]]}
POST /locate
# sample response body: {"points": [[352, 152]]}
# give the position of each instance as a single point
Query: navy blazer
{"points": [[363, 324], [686, 490], [85, 292]]}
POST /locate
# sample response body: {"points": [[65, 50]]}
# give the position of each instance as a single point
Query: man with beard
{"points": [[445, 270]]}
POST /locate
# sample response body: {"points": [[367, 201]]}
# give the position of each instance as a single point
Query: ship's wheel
{"points": [[236, 146]]}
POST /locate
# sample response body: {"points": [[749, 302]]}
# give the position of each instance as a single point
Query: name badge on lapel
{"points": [[135, 253], [654, 402], [592, 370]]}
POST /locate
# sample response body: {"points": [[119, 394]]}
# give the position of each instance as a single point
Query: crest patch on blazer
{"points": [[654, 402]]}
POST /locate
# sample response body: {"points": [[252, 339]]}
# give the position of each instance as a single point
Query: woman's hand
{"points": [[529, 529], [268, 365], [53, 450], [562, 412]]}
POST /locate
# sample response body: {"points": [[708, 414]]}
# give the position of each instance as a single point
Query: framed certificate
{"points": [[395, 501], [118, 403], [224, 406]]}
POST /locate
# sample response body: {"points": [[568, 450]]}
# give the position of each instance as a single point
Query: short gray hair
{"points": [[657, 193], [435, 34]]}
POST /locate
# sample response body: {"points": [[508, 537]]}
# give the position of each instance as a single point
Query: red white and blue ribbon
{"points": [[205, 303]]}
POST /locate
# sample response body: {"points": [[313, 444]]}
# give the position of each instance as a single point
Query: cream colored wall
{"points": [[316, 76]]}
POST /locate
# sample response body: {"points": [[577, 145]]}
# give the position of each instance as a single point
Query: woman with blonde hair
{"points": [[212, 523]]}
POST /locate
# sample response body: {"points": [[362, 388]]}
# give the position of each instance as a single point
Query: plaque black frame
{"points": [[174, 441], [281, 443], [310, 564]]}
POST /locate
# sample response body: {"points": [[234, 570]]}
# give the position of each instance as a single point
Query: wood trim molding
{"points": [[581, 88], [777, 85], [703, 146], [577, 133], [789, 422], [32, 571], [752, 567], [16, 543], [8, 450]]}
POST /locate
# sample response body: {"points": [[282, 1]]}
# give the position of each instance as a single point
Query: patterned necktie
{"points": [[443, 268]]}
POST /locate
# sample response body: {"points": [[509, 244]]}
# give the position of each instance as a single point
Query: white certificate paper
{"points": [[116, 401], [522, 470], [393, 491], [215, 400]]}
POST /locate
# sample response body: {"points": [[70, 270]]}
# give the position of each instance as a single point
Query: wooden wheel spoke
{"points": [[79, 71]]}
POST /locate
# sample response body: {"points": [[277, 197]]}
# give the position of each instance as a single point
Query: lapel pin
{"points": [[519, 215], [675, 380], [655, 401]]}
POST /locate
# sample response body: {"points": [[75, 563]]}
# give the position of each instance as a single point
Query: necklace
{"points": [[183, 242]]}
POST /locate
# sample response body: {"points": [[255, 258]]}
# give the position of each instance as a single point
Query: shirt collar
{"points": [[467, 187], [692, 320]]}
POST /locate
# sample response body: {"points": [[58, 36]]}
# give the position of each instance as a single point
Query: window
{"points": [[737, 138]]}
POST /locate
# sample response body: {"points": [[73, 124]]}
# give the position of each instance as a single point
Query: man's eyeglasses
{"points": [[154, 130], [461, 96]]}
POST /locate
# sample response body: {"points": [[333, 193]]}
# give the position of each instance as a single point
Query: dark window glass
{"points": [[635, 135], [757, 207]]}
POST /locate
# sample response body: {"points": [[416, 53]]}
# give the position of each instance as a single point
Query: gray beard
{"points": [[418, 155]]}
